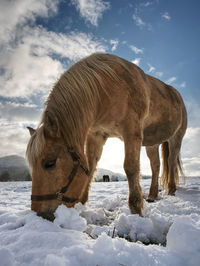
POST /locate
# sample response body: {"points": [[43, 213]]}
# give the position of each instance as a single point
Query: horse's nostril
{"points": [[47, 215]]}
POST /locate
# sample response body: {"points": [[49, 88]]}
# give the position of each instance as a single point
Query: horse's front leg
{"points": [[133, 142], [94, 148]]}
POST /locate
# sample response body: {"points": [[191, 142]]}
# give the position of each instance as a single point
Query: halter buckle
{"points": [[59, 196]]}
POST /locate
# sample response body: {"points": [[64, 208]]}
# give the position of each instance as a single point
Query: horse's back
{"points": [[127, 94], [158, 105]]}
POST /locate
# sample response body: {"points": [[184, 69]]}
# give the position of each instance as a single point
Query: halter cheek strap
{"points": [[60, 194]]}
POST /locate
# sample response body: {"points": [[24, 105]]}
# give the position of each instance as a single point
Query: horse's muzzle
{"points": [[47, 215]]}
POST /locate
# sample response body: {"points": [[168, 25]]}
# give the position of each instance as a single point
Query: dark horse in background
{"points": [[106, 178], [99, 97]]}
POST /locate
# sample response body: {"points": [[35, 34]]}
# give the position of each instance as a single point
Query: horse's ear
{"points": [[51, 125], [31, 130]]}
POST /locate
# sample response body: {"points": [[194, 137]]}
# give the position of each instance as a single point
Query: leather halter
{"points": [[60, 194]]}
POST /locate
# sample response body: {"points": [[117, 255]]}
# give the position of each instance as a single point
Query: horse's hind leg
{"points": [[153, 155], [94, 148], [174, 150]]}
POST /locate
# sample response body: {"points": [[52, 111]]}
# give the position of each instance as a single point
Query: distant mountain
{"points": [[14, 168], [98, 176]]}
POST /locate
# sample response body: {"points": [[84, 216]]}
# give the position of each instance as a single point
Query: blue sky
{"points": [[40, 39]]}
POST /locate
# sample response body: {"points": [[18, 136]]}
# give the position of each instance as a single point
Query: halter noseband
{"points": [[60, 194]]}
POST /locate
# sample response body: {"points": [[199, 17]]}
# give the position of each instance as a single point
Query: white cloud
{"points": [[166, 16], [138, 20], [17, 12], [114, 44], [27, 74], [153, 71], [136, 50], [147, 4], [159, 74], [191, 151], [13, 139], [192, 132], [191, 166], [136, 61], [191, 138], [32, 54], [171, 80], [21, 71], [182, 85], [193, 110], [91, 10], [151, 68], [30, 64], [72, 46], [18, 113], [14, 117], [18, 70]]}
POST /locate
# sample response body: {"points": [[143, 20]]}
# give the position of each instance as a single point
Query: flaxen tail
{"points": [[164, 180]]}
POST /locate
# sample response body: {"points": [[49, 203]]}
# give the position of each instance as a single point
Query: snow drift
{"points": [[103, 232]]}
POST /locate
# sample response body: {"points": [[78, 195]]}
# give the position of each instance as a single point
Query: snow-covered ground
{"points": [[103, 232]]}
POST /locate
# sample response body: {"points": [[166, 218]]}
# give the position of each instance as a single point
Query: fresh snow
{"points": [[103, 232]]}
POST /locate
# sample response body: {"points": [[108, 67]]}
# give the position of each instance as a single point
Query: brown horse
{"points": [[99, 97]]}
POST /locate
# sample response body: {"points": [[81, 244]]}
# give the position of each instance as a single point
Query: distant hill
{"points": [[98, 176], [14, 168]]}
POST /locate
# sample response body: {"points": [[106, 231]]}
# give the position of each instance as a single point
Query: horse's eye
{"points": [[49, 164]]}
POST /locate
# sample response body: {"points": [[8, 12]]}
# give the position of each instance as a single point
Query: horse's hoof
{"points": [[172, 194], [150, 200], [171, 190]]}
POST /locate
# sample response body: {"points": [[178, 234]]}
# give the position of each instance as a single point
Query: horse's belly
{"points": [[157, 133], [110, 131]]}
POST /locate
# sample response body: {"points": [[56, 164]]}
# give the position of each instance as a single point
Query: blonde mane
{"points": [[73, 99]]}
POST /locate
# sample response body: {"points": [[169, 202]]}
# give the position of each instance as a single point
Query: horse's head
{"points": [[59, 173]]}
